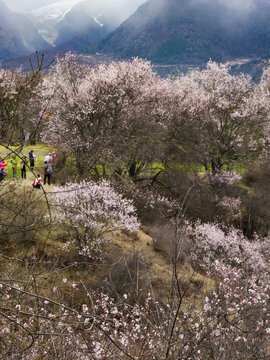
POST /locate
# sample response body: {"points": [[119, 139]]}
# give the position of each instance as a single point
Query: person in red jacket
{"points": [[37, 182], [53, 157]]}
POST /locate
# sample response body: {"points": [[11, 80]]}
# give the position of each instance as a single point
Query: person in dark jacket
{"points": [[14, 164], [23, 164], [31, 160], [47, 172]]}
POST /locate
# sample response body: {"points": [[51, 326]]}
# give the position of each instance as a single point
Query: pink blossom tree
{"points": [[263, 102], [100, 114], [18, 103], [241, 298], [225, 121], [90, 212]]}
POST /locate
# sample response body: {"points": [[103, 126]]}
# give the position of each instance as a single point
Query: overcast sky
{"points": [[242, 7], [28, 5]]}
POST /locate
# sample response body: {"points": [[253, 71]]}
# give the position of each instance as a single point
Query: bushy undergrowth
{"points": [[23, 215]]}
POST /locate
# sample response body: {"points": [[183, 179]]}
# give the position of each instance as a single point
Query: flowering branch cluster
{"points": [[242, 295], [92, 210]]}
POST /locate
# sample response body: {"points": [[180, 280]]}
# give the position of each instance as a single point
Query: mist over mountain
{"points": [[193, 31], [82, 24], [66, 24], [58, 21], [17, 35], [46, 18], [27, 5], [88, 22], [173, 34]]}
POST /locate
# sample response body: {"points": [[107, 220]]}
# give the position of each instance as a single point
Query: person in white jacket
{"points": [[48, 158]]}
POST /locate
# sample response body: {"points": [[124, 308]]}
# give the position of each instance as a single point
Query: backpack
{"points": [[49, 169]]}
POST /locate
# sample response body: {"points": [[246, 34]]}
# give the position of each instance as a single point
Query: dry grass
{"points": [[48, 259]]}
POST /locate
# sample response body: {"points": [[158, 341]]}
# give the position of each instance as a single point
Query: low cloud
{"points": [[28, 5]]}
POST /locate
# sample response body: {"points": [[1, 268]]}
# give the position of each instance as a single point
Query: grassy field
{"points": [[40, 151]]}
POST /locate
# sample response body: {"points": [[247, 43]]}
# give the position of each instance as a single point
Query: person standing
{"points": [[14, 164], [3, 172], [53, 157], [47, 172], [48, 158], [31, 160], [23, 164], [53, 162]]}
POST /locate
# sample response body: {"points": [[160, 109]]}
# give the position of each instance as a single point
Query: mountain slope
{"points": [[17, 34], [81, 20], [192, 32], [89, 22]]}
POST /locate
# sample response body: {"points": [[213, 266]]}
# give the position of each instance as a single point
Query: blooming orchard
{"points": [[123, 113], [209, 300]]}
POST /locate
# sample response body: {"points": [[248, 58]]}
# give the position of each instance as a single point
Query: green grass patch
{"points": [[40, 151]]}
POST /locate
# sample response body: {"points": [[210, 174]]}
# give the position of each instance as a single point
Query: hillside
{"points": [[80, 27], [175, 35], [18, 36], [88, 23], [191, 32]]}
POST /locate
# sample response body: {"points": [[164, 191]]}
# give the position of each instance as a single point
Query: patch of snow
{"points": [[97, 21]]}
